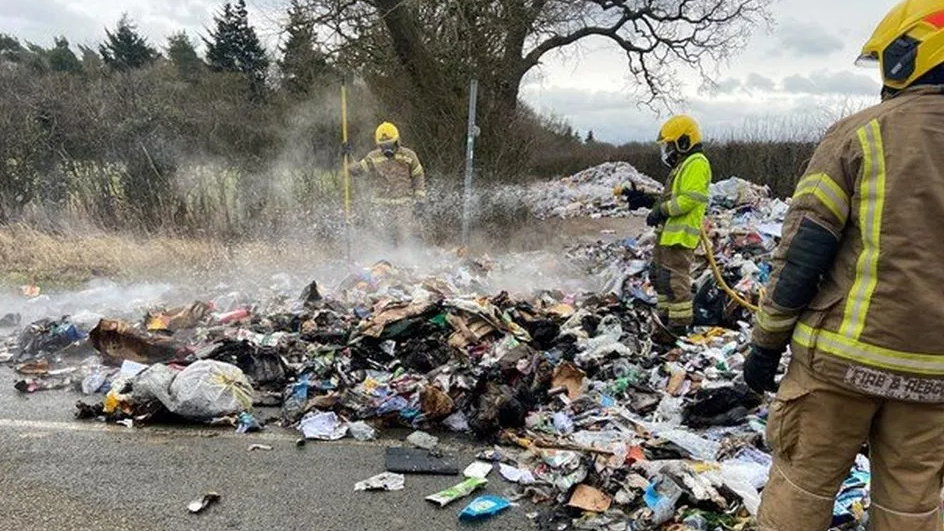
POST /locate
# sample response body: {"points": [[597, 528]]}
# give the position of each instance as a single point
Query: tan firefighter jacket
{"points": [[857, 287], [395, 181]]}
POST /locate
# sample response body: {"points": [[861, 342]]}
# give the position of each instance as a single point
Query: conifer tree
{"points": [[233, 46], [301, 64], [125, 49], [183, 54]]}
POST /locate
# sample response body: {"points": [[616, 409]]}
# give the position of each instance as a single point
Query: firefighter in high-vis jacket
{"points": [[856, 290], [396, 187], [677, 216]]}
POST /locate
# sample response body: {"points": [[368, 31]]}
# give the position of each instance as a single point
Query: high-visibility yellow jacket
{"points": [[857, 279], [685, 200], [394, 181]]}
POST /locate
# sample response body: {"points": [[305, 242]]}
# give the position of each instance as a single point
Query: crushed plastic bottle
{"points": [[563, 423], [362, 431], [94, 381], [696, 522]]}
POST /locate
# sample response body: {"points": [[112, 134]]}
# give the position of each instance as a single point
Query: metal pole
{"points": [[345, 168], [469, 161]]}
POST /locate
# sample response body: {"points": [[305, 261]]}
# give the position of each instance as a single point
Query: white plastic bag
{"points": [[205, 390]]}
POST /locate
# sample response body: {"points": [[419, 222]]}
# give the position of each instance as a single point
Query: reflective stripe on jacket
{"points": [[396, 180], [857, 279], [685, 201]]}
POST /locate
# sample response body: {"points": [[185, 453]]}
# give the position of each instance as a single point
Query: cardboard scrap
{"points": [[567, 375], [590, 499]]}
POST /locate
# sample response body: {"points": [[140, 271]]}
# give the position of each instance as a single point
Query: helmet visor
{"points": [[387, 146], [868, 60]]}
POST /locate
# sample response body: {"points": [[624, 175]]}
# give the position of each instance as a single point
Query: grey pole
{"points": [[469, 161]]}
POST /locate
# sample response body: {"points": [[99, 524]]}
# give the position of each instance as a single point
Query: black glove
{"points": [[656, 217], [346, 149], [635, 197], [760, 368]]}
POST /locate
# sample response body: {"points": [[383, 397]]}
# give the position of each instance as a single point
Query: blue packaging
{"points": [[484, 507]]}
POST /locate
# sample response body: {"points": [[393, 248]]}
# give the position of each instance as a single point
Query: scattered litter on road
{"points": [[456, 492], [421, 439], [419, 461], [591, 416], [515, 474], [362, 431], [247, 423], [484, 507], [322, 426], [478, 469], [264, 447], [386, 481], [199, 505]]}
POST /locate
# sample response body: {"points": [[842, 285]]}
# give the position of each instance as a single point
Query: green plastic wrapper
{"points": [[455, 492]]}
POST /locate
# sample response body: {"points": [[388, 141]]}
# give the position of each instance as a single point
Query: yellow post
{"points": [[346, 173]]}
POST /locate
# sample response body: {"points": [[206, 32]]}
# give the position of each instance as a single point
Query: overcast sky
{"points": [[796, 77]]}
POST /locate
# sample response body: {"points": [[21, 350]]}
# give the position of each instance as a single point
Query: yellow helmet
{"points": [[386, 133], [908, 43], [681, 131]]}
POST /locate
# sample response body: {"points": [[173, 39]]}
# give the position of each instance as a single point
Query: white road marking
{"points": [[276, 434]]}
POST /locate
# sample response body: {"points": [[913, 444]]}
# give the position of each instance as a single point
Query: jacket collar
{"points": [[920, 90], [695, 150]]}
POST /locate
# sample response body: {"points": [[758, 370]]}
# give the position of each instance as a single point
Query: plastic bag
{"points": [[322, 426], [423, 440], [210, 389], [362, 431], [205, 390]]}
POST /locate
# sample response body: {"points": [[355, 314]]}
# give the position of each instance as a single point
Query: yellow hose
{"points": [[709, 252]]}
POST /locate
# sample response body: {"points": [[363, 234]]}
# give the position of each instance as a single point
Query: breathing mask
{"points": [[389, 149], [668, 154]]}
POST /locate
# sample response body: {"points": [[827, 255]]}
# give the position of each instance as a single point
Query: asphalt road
{"points": [[60, 474]]}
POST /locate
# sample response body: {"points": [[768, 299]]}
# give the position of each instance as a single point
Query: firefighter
{"points": [[856, 291], [397, 186], [677, 216]]}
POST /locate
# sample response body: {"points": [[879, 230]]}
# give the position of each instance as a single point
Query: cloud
{"points": [[805, 39], [756, 81], [728, 85], [85, 21], [41, 20], [831, 83], [615, 117], [732, 85]]}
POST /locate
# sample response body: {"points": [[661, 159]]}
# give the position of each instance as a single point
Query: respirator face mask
{"points": [[668, 154], [389, 149]]}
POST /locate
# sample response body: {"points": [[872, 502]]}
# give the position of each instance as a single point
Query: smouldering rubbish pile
{"points": [[591, 421], [588, 193]]}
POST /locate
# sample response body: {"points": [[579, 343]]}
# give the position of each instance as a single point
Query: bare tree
{"points": [[418, 55]]}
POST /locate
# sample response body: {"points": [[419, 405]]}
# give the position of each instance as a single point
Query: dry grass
{"points": [[57, 260], [28, 255]]}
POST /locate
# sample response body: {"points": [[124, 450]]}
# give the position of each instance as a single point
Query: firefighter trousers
{"points": [[815, 430], [670, 274], [394, 224]]}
